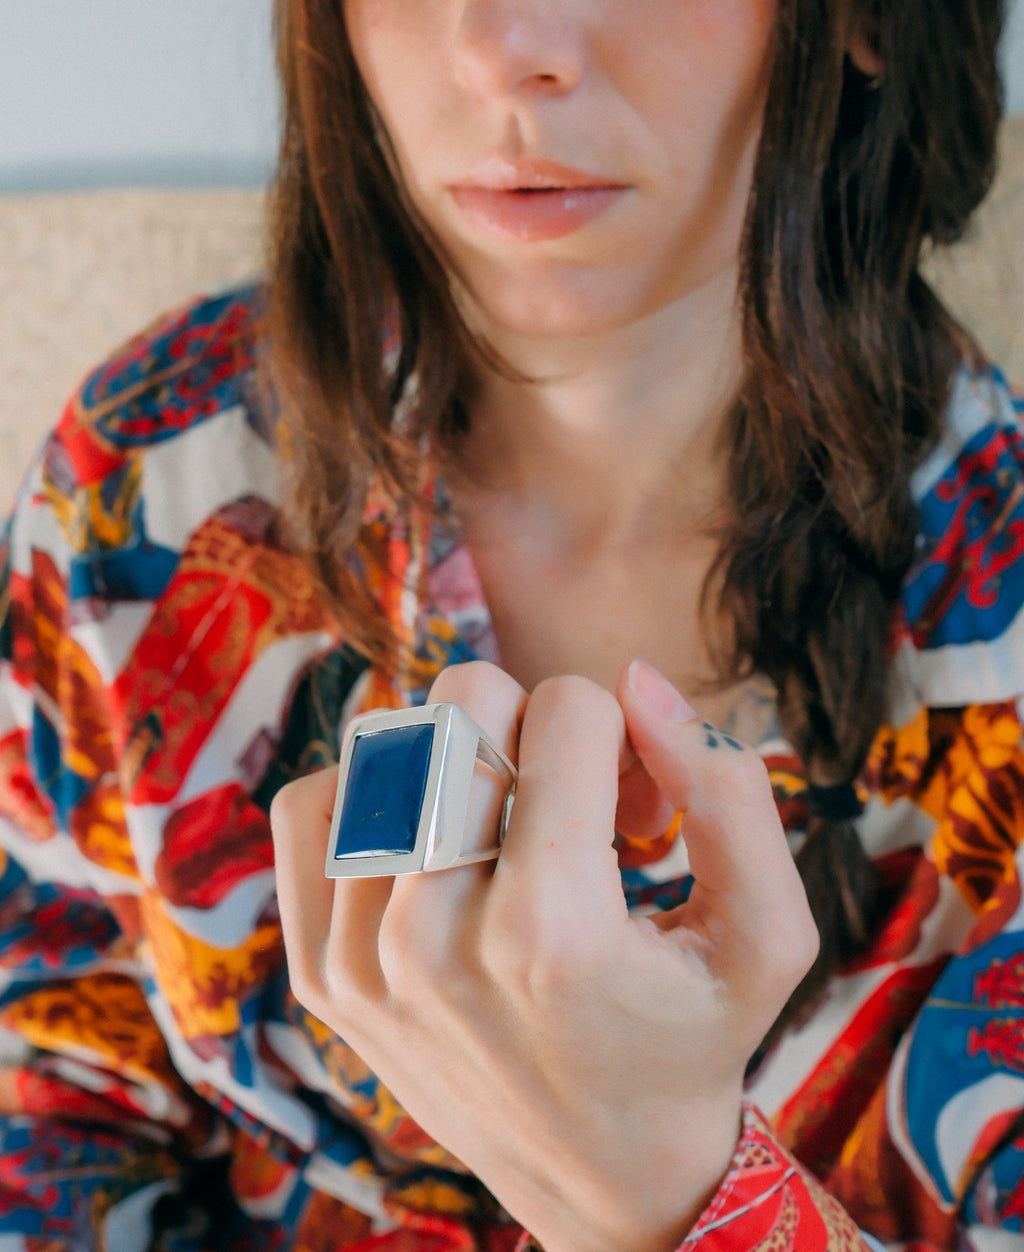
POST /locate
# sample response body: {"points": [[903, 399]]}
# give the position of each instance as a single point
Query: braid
{"points": [[849, 362], [812, 609]]}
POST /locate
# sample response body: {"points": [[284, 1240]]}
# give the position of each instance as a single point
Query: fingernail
{"points": [[654, 690]]}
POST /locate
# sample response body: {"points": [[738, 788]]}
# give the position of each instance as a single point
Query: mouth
{"points": [[532, 201]]}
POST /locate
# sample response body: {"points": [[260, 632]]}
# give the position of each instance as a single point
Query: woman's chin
{"points": [[546, 314], [584, 303]]}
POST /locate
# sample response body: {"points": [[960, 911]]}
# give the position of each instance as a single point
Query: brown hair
{"points": [[849, 357]]}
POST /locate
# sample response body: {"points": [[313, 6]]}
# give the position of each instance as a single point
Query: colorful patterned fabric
{"points": [[167, 666]]}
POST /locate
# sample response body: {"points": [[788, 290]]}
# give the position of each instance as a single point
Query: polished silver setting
{"points": [[461, 803]]}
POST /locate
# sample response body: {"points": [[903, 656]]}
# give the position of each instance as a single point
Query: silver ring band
{"points": [[406, 801]]}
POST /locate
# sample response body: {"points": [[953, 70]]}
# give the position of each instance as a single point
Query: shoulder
{"points": [[963, 601], [164, 442], [144, 577], [165, 432], [187, 368]]}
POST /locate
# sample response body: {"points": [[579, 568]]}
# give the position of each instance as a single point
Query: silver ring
{"points": [[406, 802]]}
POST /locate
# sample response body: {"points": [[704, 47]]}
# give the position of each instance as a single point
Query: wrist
{"points": [[655, 1216]]}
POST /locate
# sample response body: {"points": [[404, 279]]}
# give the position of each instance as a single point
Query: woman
{"points": [[594, 332]]}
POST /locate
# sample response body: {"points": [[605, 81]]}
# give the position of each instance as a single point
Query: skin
{"points": [[608, 1052], [586, 1065], [578, 489], [662, 97]]}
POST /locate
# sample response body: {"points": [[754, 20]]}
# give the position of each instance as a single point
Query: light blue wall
{"points": [[1013, 57], [113, 92]]}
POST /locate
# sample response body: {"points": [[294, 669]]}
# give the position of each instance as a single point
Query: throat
{"points": [[566, 614]]}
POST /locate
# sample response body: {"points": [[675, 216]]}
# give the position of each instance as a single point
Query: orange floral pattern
{"points": [[166, 665]]}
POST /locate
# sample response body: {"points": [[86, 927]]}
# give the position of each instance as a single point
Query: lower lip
{"points": [[531, 216]]}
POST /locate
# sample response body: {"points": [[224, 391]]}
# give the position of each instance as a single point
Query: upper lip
{"points": [[498, 173]]}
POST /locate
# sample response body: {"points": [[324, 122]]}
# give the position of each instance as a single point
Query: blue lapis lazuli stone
{"points": [[387, 779]]}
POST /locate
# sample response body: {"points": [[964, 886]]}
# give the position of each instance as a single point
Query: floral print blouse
{"points": [[166, 665]]}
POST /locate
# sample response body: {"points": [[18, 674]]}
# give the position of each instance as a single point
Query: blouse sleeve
{"points": [[767, 1199], [936, 1160]]}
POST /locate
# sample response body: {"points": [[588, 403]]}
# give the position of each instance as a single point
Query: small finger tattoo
{"points": [[715, 738]]}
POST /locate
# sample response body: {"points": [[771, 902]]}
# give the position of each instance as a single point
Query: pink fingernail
{"points": [[652, 688]]}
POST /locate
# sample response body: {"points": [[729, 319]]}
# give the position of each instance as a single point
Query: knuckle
{"points": [[501, 943], [412, 963], [347, 1000], [400, 959], [805, 942], [523, 978], [532, 961], [795, 947], [574, 695], [323, 991], [487, 694], [298, 808], [506, 962], [339, 1002], [282, 807], [569, 704], [305, 978], [461, 683]]}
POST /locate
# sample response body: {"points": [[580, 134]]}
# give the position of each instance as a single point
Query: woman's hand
{"points": [[586, 1065]]}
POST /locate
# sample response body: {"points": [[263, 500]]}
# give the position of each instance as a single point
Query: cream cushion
{"points": [[81, 272]]}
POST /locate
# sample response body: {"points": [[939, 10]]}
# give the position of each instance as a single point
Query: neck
{"points": [[612, 437]]}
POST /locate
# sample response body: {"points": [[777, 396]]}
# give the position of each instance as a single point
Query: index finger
{"points": [[747, 888], [721, 784]]}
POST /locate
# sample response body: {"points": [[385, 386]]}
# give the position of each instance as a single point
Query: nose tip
{"points": [[505, 47]]}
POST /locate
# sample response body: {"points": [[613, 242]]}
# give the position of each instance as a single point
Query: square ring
{"points": [[403, 798]]}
